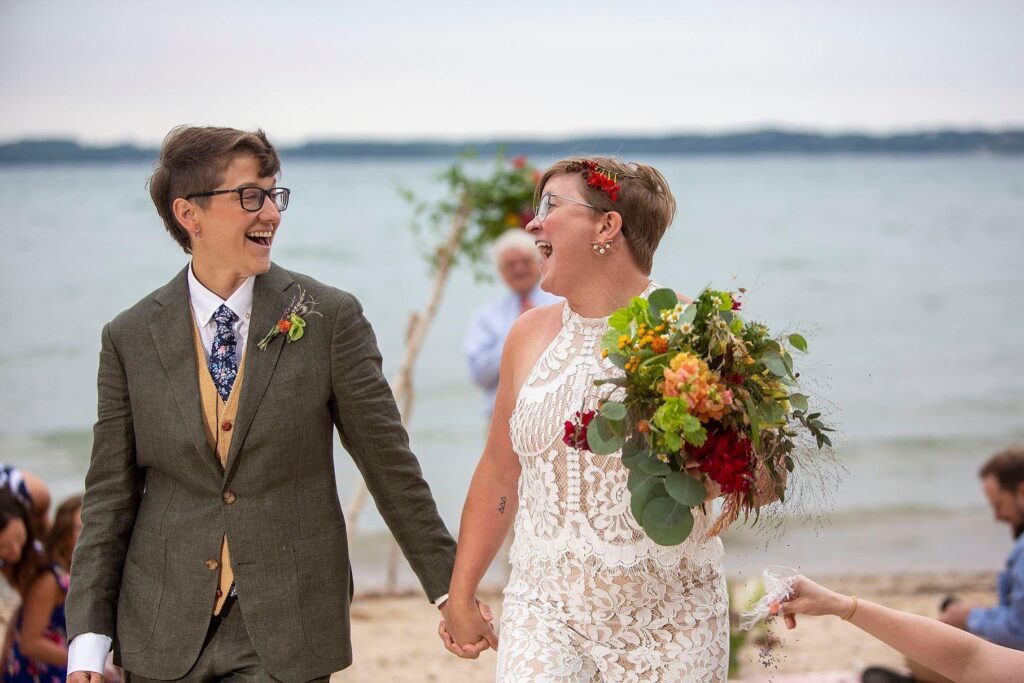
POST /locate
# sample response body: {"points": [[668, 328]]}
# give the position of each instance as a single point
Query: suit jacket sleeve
{"points": [[112, 492], [371, 431]]}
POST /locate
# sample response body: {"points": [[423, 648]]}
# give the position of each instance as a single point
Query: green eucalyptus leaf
{"points": [[689, 314], [633, 445], [773, 361], [667, 521], [618, 360], [685, 489], [633, 460], [613, 410], [601, 438], [798, 401], [661, 299], [654, 467], [643, 492], [798, 342]]}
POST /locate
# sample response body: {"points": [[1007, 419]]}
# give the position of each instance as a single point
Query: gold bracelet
{"points": [[852, 609]]}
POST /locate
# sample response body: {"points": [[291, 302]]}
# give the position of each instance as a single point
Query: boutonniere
{"points": [[293, 321]]}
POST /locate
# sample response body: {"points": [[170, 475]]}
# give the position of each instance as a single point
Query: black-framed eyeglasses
{"points": [[544, 206], [251, 198]]}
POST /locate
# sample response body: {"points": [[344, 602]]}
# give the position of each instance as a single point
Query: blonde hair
{"points": [[645, 201], [514, 238]]}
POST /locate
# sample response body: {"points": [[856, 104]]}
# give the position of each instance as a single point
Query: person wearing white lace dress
{"points": [[591, 598]]}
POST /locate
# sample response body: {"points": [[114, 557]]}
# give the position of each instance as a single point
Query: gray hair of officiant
{"points": [[515, 239]]}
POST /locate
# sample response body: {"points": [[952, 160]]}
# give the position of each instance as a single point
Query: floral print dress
{"points": [[21, 669]]}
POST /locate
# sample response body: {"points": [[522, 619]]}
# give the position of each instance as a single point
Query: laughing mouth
{"points": [[263, 238], [544, 248]]}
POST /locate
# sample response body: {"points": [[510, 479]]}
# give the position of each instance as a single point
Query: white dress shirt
{"points": [[88, 651], [485, 338]]}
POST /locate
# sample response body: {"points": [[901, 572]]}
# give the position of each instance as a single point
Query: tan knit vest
{"points": [[218, 421]]}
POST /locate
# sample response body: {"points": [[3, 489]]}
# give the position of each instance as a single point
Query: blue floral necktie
{"points": [[222, 363]]}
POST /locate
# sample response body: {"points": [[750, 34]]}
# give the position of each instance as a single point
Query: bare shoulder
{"points": [[542, 321], [530, 335]]}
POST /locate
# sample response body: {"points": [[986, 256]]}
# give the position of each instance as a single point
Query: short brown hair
{"points": [[194, 158], [1007, 466], [645, 202]]}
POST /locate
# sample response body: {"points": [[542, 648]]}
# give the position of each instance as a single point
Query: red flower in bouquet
{"points": [[727, 459], [519, 163], [576, 430]]}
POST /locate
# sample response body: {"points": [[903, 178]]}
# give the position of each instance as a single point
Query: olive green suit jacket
{"points": [[155, 512]]}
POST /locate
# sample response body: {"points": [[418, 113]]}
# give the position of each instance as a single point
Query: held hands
{"points": [[466, 628], [813, 600]]}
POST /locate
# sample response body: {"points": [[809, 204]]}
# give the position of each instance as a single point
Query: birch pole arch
{"points": [[474, 211]]}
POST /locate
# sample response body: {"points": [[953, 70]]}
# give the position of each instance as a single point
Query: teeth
{"points": [[260, 234], [544, 247]]}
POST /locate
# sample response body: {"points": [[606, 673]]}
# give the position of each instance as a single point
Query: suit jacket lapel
{"points": [[171, 326], [270, 297]]}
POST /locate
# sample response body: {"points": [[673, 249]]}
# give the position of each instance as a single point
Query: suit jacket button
{"points": [[226, 425], [229, 497], [212, 564]]}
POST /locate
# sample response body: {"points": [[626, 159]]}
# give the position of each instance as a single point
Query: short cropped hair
{"points": [[1007, 466], [644, 201], [194, 158]]}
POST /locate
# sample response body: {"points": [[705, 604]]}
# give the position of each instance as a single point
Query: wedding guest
{"points": [[20, 560], [39, 652], [960, 656], [30, 490], [1002, 479], [518, 263], [20, 555]]}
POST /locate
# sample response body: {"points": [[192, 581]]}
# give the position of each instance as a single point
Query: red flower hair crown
{"points": [[599, 177]]}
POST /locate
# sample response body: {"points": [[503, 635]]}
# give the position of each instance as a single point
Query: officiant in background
{"points": [[517, 261]]}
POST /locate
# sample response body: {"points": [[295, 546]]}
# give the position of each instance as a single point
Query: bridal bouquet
{"points": [[709, 399]]}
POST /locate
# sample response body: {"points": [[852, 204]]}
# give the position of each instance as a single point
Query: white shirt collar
{"points": [[205, 303]]}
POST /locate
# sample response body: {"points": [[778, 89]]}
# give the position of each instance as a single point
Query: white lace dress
{"points": [[591, 598]]}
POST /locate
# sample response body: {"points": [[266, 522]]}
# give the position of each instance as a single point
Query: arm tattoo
{"points": [[501, 506]]}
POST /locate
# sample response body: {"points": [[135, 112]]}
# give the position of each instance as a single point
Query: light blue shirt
{"points": [[485, 338], [1004, 623]]}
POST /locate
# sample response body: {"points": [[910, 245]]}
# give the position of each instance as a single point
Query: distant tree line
{"points": [[755, 142]]}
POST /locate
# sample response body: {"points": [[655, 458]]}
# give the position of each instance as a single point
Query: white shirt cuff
{"points": [[441, 600], [88, 652]]}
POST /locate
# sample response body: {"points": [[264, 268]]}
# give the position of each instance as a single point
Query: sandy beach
{"points": [[395, 640]]}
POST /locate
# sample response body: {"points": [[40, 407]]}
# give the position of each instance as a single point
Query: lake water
{"points": [[904, 273]]}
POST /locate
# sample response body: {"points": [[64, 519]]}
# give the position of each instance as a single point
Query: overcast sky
{"points": [[130, 70]]}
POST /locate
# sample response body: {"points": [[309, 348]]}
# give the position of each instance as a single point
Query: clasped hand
{"points": [[465, 628]]}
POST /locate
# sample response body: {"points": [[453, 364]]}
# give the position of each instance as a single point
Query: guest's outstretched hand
{"points": [[465, 629], [813, 600]]}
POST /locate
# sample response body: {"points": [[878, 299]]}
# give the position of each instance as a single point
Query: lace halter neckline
{"points": [[569, 315]]}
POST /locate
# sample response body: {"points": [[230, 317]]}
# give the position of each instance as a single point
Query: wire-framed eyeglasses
{"points": [[544, 206]]}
